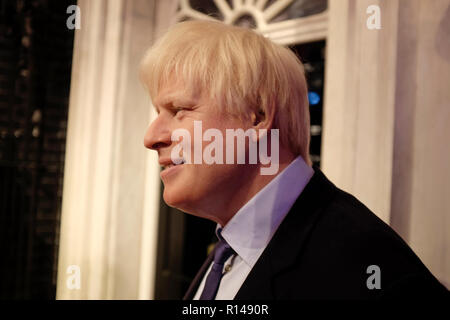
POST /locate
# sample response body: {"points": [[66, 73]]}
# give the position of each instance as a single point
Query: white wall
{"points": [[421, 175], [386, 117], [111, 183]]}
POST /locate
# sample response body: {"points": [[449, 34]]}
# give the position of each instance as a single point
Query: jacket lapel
{"points": [[289, 239]]}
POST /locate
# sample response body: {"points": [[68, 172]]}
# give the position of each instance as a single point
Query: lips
{"points": [[170, 165], [169, 168]]}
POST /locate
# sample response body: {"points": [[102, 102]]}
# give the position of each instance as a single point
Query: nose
{"points": [[157, 135]]}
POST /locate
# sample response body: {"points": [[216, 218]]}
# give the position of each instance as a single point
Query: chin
{"points": [[169, 198], [175, 199], [181, 201]]}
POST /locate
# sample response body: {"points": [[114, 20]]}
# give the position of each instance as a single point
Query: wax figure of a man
{"points": [[288, 233]]}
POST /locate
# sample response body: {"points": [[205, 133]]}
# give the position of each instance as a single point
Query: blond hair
{"points": [[240, 70]]}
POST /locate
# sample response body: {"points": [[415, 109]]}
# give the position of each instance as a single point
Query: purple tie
{"points": [[222, 252]]}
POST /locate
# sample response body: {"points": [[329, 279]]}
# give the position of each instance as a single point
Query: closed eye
{"points": [[176, 110]]}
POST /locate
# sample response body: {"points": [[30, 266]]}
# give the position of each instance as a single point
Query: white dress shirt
{"points": [[251, 228]]}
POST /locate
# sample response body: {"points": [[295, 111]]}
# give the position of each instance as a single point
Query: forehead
{"points": [[174, 94]]}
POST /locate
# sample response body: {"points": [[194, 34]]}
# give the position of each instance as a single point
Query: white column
{"points": [[421, 175], [387, 115], [359, 101], [111, 183]]}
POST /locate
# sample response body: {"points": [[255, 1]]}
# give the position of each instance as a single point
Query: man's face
{"points": [[201, 189]]}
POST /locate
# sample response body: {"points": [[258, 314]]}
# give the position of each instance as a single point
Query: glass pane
{"points": [[301, 8], [207, 7], [313, 57]]}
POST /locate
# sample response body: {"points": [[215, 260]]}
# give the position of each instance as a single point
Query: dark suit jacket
{"points": [[323, 248]]}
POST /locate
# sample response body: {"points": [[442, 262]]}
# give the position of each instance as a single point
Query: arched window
{"points": [[283, 21]]}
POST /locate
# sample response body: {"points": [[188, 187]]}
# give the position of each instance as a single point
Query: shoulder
{"points": [[352, 233], [347, 245]]}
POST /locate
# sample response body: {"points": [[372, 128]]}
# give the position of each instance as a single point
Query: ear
{"points": [[262, 120]]}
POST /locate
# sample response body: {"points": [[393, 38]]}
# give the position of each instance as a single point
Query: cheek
{"points": [[213, 178], [196, 181], [186, 181]]}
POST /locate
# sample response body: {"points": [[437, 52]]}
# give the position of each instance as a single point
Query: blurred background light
{"points": [[313, 98]]}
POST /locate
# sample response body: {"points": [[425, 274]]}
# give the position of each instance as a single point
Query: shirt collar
{"points": [[251, 228]]}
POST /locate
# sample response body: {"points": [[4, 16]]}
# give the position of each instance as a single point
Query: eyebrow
{"points": [[173, 99]]}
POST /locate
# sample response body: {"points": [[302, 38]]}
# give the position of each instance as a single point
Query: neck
{"points": [[251, 182]]}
